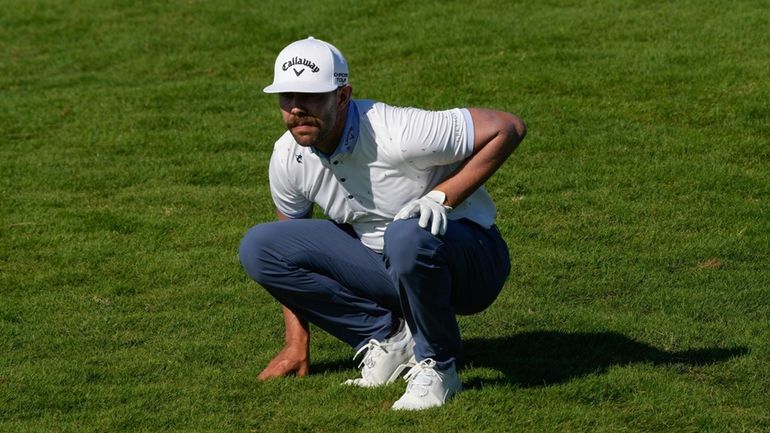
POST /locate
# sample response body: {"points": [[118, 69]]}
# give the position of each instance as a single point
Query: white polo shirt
{"points": [[387, 157]]}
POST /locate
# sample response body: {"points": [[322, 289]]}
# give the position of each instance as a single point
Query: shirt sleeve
{"points": [[432, 138], [287, 195]]}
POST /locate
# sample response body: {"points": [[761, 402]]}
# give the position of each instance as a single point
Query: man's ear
{"points": [[343, 96]]}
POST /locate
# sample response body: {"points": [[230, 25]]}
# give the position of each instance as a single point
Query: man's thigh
{"points": [[328, 249], [467, 266]]}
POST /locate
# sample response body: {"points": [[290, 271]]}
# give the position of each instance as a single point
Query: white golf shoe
{"points": [[428, 386], [384, 361]]}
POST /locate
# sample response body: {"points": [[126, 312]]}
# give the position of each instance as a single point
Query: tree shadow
{"points": [[542, 358]]}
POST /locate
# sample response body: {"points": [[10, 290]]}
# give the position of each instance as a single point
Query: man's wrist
{"points": [[439, 197]]}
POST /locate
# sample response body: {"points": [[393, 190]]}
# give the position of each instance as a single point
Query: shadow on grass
{"points": [[334, 366], [542, 358]]}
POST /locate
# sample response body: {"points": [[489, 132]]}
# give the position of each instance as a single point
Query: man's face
{"points": [[310, 117]]}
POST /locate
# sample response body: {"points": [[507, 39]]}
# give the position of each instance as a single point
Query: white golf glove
{"points": [[430, 208]]}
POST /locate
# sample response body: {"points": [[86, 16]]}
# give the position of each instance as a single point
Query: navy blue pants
{"points": [[325, 275]]}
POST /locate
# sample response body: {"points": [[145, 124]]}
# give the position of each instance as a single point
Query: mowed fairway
{"points": [[134, 142]]}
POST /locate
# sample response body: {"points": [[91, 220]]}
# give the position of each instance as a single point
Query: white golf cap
{"points": [[309, 66]]}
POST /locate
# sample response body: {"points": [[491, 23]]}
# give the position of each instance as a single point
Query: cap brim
{"points": [[299, 88]]}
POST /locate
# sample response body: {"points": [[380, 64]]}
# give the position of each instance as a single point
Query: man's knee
{"points": [[407, 246], [255, 253]]}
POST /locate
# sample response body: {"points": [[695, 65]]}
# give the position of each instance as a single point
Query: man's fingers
{"points": [[274, 369], [407, 212], [303, 370], [431, 214], [268, 373], [443, 221], [281, 366], [424, 218], [437, 222]]}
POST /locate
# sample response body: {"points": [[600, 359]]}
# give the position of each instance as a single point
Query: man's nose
{"points": [[297, 110], [293, 104]]}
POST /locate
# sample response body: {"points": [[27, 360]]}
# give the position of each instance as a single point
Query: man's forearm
{"points": [[297, 330], [497, 135]]}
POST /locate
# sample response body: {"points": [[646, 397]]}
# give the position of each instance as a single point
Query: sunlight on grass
{"points": [[135, 142]]}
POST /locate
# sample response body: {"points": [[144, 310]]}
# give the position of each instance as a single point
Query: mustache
{"points": [[304, 121]]}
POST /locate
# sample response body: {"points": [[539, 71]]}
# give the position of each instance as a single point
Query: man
{"points": [[410, 242]]}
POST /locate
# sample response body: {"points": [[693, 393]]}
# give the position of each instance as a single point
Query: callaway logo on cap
{"points": [[309, 66]]}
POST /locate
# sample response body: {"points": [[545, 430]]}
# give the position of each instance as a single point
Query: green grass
{"points": [[134, 140]]}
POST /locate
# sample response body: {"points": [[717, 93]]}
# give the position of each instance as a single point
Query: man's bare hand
{"points": [[290, 360], [294, 358]]}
